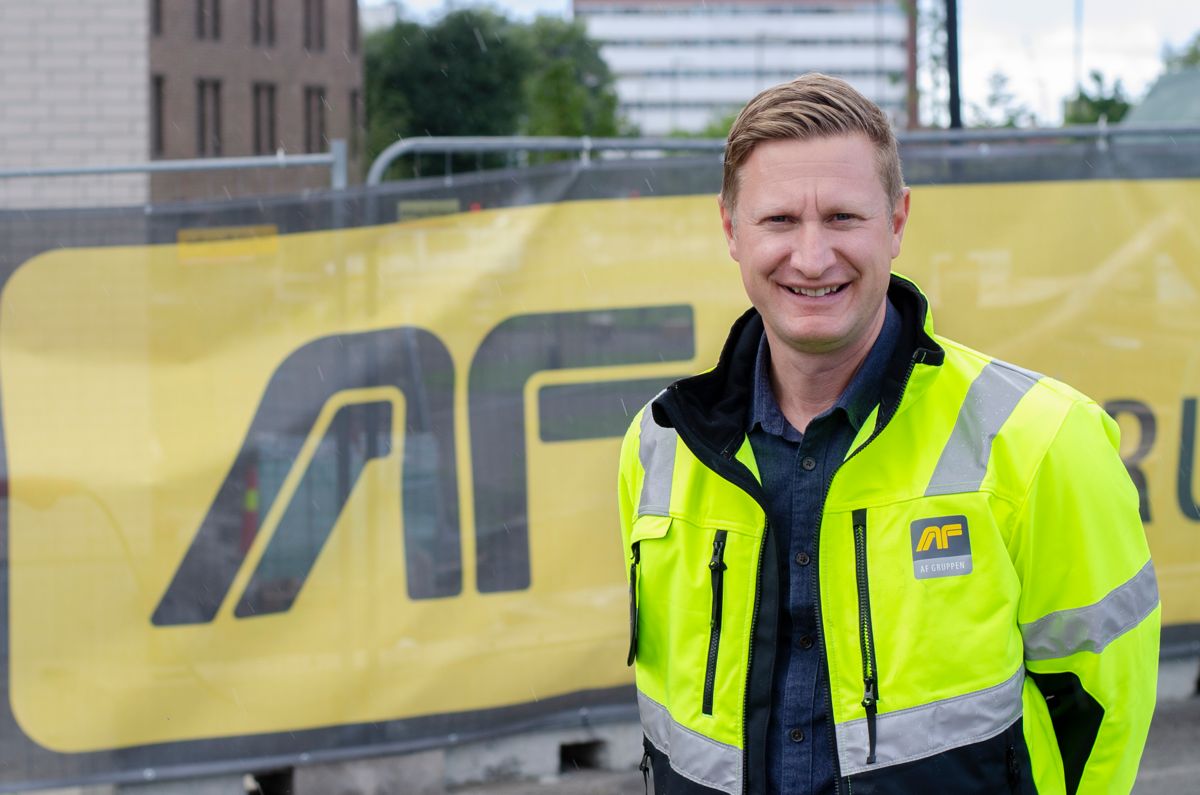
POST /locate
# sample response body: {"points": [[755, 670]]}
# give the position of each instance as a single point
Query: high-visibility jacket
{"points": [[986, 602]]}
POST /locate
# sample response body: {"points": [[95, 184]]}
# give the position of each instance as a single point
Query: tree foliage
{"points": [[933, 78], [474, 72], [459, 76], [1103, 101], [717, 127], [389, 55], [1188, 57], [1000, 108], [569, 88]]}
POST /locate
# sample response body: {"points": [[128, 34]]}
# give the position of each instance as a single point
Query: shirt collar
{"points": [[857, 400]]}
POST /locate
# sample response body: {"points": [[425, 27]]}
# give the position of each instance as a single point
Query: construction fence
{"points": [[313, 477]]}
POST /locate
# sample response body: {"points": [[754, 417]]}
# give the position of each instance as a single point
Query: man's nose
{"points": [[812, 251]]}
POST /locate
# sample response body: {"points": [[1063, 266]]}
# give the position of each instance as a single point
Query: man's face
{"points": [[814, 237]]}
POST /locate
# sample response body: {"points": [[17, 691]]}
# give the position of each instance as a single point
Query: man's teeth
{"points": [[817, 293]]}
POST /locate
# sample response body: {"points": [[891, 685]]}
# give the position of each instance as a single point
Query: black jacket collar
{"points": [[709, 410]]}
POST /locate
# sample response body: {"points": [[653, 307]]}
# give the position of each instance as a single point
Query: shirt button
{"points": [[806, 641], [803, 559], [809, 463], [797, 735]]}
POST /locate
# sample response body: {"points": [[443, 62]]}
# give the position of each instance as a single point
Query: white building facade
{"points": [[683, 64]]}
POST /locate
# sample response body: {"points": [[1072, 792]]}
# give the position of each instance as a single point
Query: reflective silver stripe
{"points": [[656, 451], [930, 729], [990, 400], [1094, 626], [695, 757]]}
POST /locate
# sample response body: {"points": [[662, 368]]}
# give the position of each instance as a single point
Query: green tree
{"points": [[388, 56], [461, 76], [1108, 102], [1188, 57], [717, 127], [569, 88], [933, 78], [1000, 108]]}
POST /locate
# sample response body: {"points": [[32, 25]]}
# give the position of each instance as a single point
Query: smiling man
{"points": [[862, 556]]}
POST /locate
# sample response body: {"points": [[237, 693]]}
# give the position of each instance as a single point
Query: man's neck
{"points": [[806, 384]]}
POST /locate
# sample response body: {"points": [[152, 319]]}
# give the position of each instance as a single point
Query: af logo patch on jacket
{"points": [[941, 547]]}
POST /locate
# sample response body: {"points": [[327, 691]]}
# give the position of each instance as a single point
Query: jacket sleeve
{"points": [[1089, 612]]}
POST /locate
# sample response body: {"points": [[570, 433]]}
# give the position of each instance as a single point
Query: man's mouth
{"points": [[815, 292]]}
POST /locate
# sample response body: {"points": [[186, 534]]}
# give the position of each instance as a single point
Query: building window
{"points": [[355, 122], [314, 25], [314, 119], [262, 22], [352, 11], [265, 142], [208, 19], [208, 118], [156, 17], [157, 115]]}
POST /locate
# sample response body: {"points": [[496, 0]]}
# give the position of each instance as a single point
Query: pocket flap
{"points": [[649, 526]]}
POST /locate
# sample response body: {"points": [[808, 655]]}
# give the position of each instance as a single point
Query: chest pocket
{"points": [[691, 602], [939, 601]]}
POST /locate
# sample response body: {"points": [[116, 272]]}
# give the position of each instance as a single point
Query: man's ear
{"points": [[900, 221], [727, 227]]}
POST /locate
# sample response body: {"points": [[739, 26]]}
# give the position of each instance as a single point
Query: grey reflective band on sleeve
{"points": [[656, 451], [990, 401], [919, 732], [695, 757], [1094, 626]]}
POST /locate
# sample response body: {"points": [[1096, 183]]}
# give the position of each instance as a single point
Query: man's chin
{"points": [[814, 342]]}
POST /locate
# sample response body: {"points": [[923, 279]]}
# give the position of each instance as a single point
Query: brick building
{"points": [[97, 82]]}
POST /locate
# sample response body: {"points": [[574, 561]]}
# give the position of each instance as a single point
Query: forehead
{"points": [[846, 164]]}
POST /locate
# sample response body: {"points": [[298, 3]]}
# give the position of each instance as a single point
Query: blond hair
{"points": [[811, 106]]}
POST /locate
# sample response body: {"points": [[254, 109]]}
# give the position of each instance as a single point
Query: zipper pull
{"points": [[645, 768], [717, 567], [1014, 769], [718, 561], [870, 697], [633, 602]]}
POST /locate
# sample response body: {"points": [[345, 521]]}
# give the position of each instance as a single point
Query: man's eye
{"points": [[842, 216], [779, 219]]}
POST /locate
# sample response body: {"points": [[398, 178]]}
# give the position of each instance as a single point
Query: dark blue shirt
{"points": [[796, 469]]}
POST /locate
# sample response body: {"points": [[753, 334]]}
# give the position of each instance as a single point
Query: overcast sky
{"points": [[1031, 41]]}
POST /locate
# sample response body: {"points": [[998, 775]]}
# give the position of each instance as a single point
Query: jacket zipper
{"points": [[727, 455], [716, 568], [865, 636], [750, 653], [635, 548], [1014, 769], [879, 426]]}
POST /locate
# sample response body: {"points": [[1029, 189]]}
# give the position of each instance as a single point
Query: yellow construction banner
{"points": [[260, 483]]}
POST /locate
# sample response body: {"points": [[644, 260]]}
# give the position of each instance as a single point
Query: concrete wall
{"points": [[535, 757], [73, 91]]}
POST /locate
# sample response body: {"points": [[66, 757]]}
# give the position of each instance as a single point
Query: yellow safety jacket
{"points": [[986, 602]]}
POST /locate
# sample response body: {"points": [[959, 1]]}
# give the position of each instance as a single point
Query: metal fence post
{"points": [[339, 168]]}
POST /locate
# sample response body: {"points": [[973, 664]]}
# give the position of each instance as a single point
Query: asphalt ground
{"points": [[1170, 764]]}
